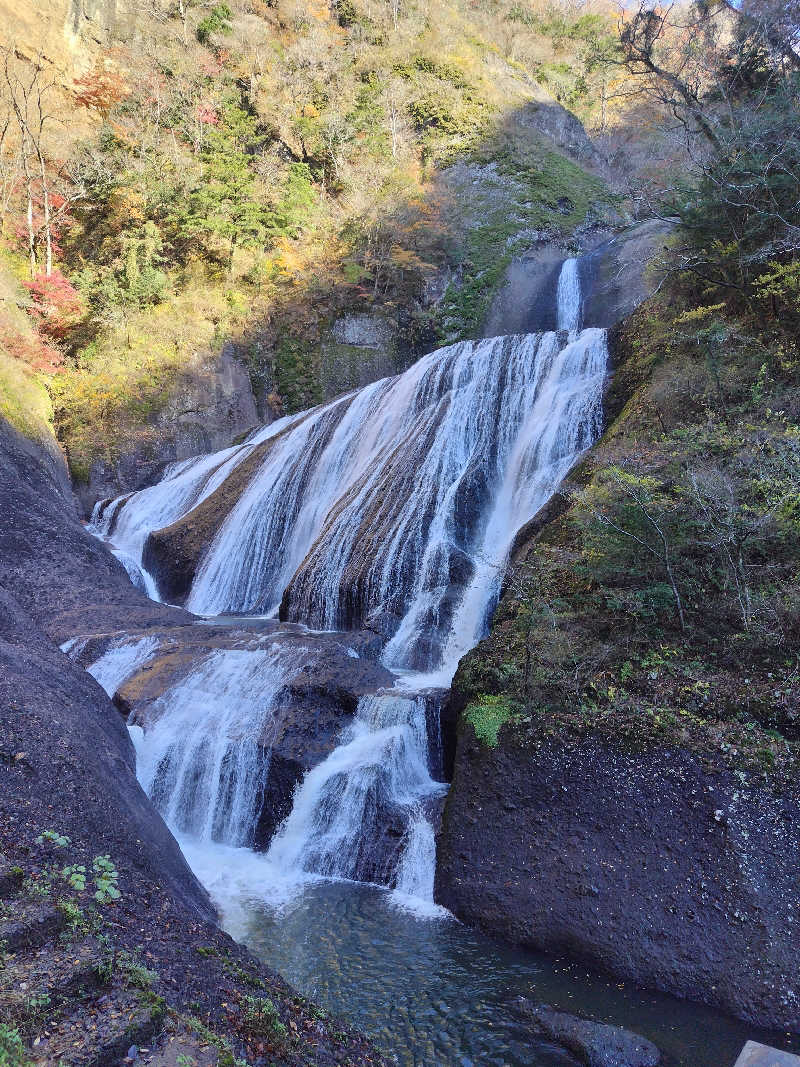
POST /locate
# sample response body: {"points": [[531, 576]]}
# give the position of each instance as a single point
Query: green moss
{"points": [[24, 400], [487, 715], [297, 376], [537, 189]]}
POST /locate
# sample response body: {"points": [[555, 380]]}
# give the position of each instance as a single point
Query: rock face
{"points": [[62, 577], [55, 580], [646, 864], [613, 273], [213, 403], [58, 726], [68, 762], [595, 1044]]}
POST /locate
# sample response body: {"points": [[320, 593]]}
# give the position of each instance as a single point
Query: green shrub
{"points": [[487, 716], [260, 1018], [12, 1050]]}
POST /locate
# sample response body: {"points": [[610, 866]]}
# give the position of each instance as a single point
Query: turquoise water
{"points": [[432, 992]]}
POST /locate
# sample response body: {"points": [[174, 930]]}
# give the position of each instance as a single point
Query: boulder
{"points": [[655, 865], [755, 1054], [595, 1044]]}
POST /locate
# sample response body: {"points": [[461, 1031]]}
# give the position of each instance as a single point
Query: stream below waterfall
{"points": [[428, 989], [379, 524]]}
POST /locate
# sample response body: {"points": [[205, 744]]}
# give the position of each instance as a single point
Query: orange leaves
{"points": [[101, 89], [57, 305], [30, 349]]}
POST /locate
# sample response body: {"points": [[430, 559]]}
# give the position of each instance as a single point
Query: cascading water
{"points": [[127, 521], [569, 297], [378, 775], [121, 661], [203, 757], [394, 508]]}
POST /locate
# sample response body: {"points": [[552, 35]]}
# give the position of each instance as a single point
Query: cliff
{"points": [[625, 783]]}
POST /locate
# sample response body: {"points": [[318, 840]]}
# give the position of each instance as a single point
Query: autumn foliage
{"points": [[56, 305], [30, 349], [100, 90]]}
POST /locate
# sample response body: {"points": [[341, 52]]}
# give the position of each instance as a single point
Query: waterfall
{"points": [[392, 508], [203, 756], [127, 521], [377, 776], [417, 866], [120, 662], [568, 297]]}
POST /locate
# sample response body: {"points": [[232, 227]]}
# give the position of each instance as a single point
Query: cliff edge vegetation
{"points": [[322, 191], [640, 684]]}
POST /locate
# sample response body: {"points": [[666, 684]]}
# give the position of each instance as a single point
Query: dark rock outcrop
{"points": [[211, 403], [595, 1044], [68, 765], [614, 280], [66, 580], [652, 865], [72, 764]]}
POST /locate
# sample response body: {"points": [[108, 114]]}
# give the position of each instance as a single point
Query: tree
{"points": [[223, 206], [217, 21], [100, 90], [672, 52], [630, 505], [56, 304], [28, 94], [735, 511]]}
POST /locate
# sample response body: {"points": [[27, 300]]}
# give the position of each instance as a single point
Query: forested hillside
{"points": [[309, 181]]}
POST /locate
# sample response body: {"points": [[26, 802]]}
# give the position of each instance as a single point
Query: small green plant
{"points": [[106, 877], [487, 716], [260, 1017], [50, 837], [135, 974], [75, 876], [226, 1054], [12, 1050], [36, 1006], [75, 916], [104, 968]]}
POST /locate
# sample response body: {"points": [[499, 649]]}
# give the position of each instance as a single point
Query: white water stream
{"points": [[395, 508], [121, 661], [204, 756]]}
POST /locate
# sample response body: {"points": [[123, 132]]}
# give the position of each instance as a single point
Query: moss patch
{"points": [[487, 715], [24, 400]]}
